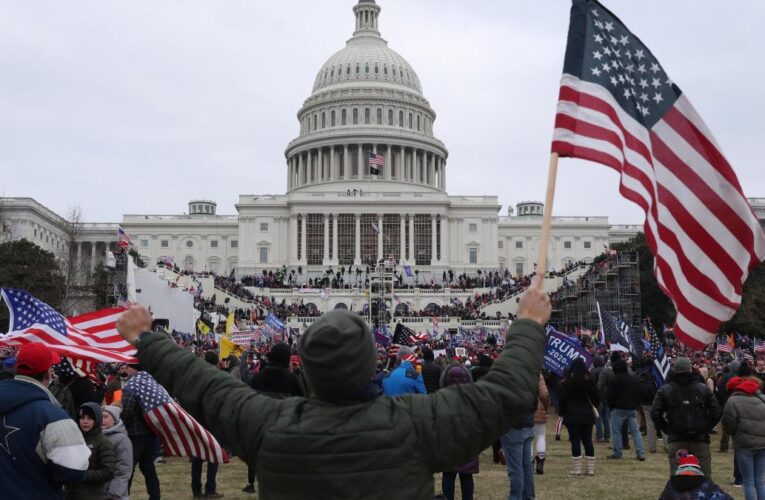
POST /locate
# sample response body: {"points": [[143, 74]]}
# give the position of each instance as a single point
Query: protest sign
{"points": [[561, 351]]}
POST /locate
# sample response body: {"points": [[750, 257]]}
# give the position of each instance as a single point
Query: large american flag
{"points": [[615, 331], [618, 107], [181, 435], [86, 339]]}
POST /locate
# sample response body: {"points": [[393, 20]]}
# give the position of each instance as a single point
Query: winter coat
{"points": [[45, 448], [667, 398], [431, 376], [123, 451], [576, 397], [622, 392], [276, 381], [543, 402], [693, 488], [372, 448], [101, 465], [455, 375], [403, 380], [744, 414]]}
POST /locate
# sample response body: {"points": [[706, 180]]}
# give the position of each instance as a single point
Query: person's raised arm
{"points": [[227, 407], [456, 423]]}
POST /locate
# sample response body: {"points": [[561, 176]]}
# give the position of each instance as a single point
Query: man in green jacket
{"points": [[345, 441]]}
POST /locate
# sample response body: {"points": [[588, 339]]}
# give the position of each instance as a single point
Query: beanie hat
{"points": [[687, 464], [279, 355], [114, 411], [212, 357], [338, 354], [682, 365]]}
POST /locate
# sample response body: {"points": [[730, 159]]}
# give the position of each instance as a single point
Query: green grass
{"points": [[625, 479]]}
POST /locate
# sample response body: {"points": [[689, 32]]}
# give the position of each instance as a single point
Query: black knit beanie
{"points": [[338, 354]]}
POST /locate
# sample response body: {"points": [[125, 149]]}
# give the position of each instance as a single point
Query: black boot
{"points": [[540, 465]]}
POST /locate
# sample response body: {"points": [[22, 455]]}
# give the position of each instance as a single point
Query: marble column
{"points": [[388, 162], [402, 238], [332, 166], [433, 246], [380, 230], [93, 257], [346, 163], [411, 239], [303, 242], [357, 246], [360, 171], [334, 238], [444, 257], [326, 239], [431, 171], [293, 235]]}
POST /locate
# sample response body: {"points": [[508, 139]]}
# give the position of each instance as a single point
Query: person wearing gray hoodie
{"points": [[115, 432]]}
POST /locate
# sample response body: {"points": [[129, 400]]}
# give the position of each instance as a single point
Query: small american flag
{"points": [[123, 240], [724, 346], [618, 107], [88, 337], [181, 435], [759, 346], [375, 161]]}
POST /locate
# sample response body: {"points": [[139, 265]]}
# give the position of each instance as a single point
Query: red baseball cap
{"points": [[35, 358]]}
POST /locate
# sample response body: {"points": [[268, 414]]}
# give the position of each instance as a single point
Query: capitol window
{"points": [[385, 69], [519, 268], [377, 69], [315, 121], [400, 118], [567, 244], [144, 243], [348, 69], [587, 245], [213, 243], [189, 243], [473, 255], [519, 244], [366, 68], [164, 243], [332, 119], [355, 116], [366, 116], [264, 227], [234, 244], [390, 117], [343, 117], [473, 228], [263, 255], [379, 116], [323, 119], [410, 120], [358, 68], [418, 123], [500, 244]]}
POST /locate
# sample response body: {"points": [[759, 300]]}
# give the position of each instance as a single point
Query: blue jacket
{"points": [[403, 380], [41, 448]]}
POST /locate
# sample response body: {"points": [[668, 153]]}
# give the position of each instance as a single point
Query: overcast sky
{"points": [[137, 107]]}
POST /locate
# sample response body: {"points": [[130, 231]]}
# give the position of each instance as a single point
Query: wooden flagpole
{"points": [[544, 237]]}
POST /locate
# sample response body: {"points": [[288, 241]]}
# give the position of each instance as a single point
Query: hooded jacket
{"points": [[363, 449], [744, 414], [35, 432], [455, 375], [101, 465], [123, 453], [665, 398], [404, 380]]}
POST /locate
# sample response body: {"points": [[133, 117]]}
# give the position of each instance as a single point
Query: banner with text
{"points": [[561, 351]]}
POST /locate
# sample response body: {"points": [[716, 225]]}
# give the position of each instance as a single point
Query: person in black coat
{"points": [[277, 381], [578, 400], [431, 372], [623, 397]]}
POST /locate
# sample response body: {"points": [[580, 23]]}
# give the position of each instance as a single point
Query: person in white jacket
{"points": [[115, 432]]}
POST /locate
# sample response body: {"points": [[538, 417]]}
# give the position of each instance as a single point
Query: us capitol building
{"points": [[366, 98]]}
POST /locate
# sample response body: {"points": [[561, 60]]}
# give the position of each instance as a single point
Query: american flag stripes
{"points": [[181, 435], [724, 346], [123, 240], [618, 107], [88, 337], [759, 346], [376, 162]]}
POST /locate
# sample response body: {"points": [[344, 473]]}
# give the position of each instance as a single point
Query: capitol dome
{"points": [[366, 121]]}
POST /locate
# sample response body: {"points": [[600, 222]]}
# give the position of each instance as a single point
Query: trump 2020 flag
{"points": [[618, 107]]}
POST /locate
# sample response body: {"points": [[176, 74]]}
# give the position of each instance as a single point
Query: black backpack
{"points": [[63, 393], [646, 384], [686, 411]]}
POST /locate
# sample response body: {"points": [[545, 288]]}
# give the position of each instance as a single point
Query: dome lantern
{"points": [[367, 15]]}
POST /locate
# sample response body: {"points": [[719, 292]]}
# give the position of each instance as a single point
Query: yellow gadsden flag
{"points": [[202, 327], [229, 325], [227, 348]]}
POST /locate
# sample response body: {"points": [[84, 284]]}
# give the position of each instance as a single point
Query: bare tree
{"points": [[71, 260]]}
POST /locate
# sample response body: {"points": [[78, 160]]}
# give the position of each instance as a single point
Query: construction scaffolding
{"points": [[614, 283], [380, 296]]}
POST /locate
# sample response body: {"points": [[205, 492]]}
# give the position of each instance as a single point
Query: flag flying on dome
{"points": [[376, 163], [618, 107], [86, 339]]}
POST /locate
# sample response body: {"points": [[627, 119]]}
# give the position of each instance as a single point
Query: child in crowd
{"points": [[101, 466], [114, 430]]}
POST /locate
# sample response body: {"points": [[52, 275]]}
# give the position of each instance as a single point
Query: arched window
{"points": [[385, 69], [315, 119], [410, 120], [324, 119], [400, 118], [343, 117], [366, 116], [418, 123], [332, 118], [366, 68], [358, 68], [379, 116], [390, 117], [355, 116], [377, 69], [394, 70], [348, 69]]}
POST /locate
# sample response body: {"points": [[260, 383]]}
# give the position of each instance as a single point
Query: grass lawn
{"points": [[625, 479]]}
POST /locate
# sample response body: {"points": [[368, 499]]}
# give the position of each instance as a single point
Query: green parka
{"points": [[383, 448]]}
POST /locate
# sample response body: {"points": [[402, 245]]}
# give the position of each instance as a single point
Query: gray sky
{"points": [[137, 107]]}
